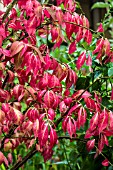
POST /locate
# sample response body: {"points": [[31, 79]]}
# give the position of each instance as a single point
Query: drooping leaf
{"points": [[72, 47], [105, 162], [43, 135], [81, 60], [53, 137], [90, 144]]}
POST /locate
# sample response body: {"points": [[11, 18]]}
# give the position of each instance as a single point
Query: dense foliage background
{"points": [[56, 87]]}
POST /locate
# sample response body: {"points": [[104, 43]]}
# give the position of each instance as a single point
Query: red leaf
{"points": [[43, 135], [18, 92], [100, 28], [105, 162], [51, 114], [81, 117], [36, 128], [32, 114], [1, 158], [88, 37], [59, 2], [71, 128], [62, 107], [73, 108], [54, 33], [99, 45], [69, 27], [90, 103], [71, 78], [6, 2], [90, 144], [54, 82], [80, 93], [81, 60], [89, 61], [101, 143], [53, 137], [10, 157], [72, 47], [17, 116], [106, 46], [68, 101], [49, 98], [94, 121], [111, 120], [64, 123], [103, 121]]}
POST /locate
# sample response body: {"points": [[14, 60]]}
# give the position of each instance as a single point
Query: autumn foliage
{"points": [[31, 77]]}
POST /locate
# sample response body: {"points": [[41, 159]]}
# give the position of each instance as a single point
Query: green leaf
{"points": [[110, 71], [24, 106], [100, 5]]}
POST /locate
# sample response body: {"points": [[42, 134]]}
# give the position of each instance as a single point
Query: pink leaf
{"points": [[81, 93], [32, 114], [64, 123], [99, 45], [106, 46], [103, 121], [100, 28], [111, 120], [71, 128], [18, 92], [73, 108], [90, 103], [88, 37], [81, 117], [89, 61], [62, 107], [10, 158], [53, 137], [90, 144], [1, 158], [43, 135], [68, 101], [36, 128], [105, 162], [72, 47], [51, 114], [101, 143], [81, 60], [49, 98], [94, 121]]}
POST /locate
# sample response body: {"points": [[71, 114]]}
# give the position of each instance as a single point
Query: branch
{"points": [[28, 156], [8, 10], [73, 138]]}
